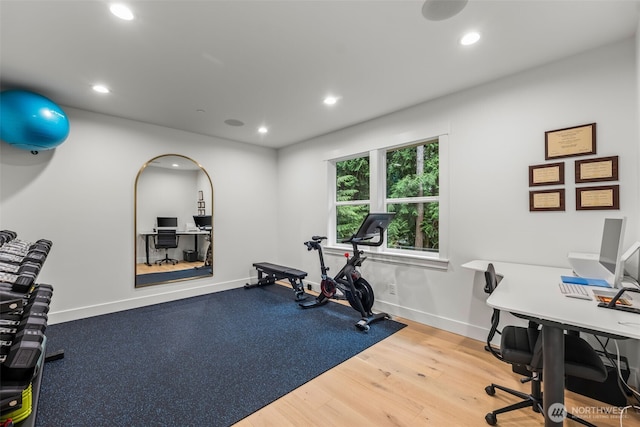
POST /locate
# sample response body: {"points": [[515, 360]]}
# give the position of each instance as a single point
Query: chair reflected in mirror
{"points": [[166, 239]]}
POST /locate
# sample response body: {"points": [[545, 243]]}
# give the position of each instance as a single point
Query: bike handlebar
{"points": [[365, 240]]}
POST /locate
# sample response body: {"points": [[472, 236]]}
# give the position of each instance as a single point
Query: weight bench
{"points": [[268, 274]]}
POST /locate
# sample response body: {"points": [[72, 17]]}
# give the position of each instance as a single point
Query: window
{"points": [[352, 195], [402, 179], [412, 184]]}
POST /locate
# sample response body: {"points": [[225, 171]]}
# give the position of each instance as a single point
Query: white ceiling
{"points": [[272, 62]]}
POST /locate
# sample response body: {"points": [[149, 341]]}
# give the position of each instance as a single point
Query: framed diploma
{"points": [[546, 200], [596, 198], [594, 170], [547, 174], [574, 141]]}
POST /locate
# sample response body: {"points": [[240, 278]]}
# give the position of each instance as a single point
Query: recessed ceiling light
{"points": [[330, 100], [175, 165], [101, 89], [121, 11], [263, 129], [470, 38]]}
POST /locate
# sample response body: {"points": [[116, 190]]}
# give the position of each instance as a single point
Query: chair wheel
{"points": [[490, 418], [490, 390]]}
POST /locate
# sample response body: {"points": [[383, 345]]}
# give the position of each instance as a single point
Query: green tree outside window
{"points": [[352, 184], [413, 172]]}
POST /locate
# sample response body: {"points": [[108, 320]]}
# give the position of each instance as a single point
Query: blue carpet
{"points": [[145, 279], [204, 361]]}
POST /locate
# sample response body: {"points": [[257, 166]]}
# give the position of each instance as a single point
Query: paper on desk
{"points": [[606, 296]]}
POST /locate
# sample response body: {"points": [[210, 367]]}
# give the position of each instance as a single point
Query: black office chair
{"points": [[166, 239], [491, 282], [522, 348]]}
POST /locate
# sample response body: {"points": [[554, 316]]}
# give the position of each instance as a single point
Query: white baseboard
{"points": [[444, 323], [440, 322], [140, 301]]}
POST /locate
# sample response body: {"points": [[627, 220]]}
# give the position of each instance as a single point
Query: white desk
{"points": [[148, 234], [532, 292]]}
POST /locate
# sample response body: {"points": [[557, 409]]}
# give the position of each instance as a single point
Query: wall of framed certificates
{"points": [[596, 173]]}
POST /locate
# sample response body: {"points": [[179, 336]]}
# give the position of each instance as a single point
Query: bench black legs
{"points": [[268, 274]]}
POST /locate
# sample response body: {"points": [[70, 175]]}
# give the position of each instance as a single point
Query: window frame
{"points": [[378, 203]]}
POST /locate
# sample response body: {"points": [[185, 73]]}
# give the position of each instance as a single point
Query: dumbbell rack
{"points": [[24, 305]]}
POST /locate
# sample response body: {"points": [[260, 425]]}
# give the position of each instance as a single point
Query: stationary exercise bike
{"points": [[352, 286]]}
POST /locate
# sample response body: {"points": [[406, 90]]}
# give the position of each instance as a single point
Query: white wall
{"points": [[495, 132], [164, 192], [81, 196]]}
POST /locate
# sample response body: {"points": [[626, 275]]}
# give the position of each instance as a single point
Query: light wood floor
{"points": [[418, 376], [155, 268]]}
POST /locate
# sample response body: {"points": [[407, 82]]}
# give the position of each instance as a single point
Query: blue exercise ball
{"points": [[30, 121]]}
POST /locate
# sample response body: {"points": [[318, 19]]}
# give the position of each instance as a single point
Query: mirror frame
{"points": [[135, 221]]}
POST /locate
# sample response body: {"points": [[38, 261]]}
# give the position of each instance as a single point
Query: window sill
{"points": [[394, 258]]}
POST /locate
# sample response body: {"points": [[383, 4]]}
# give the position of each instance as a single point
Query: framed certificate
{"points": [[594, 170], [597, 198], [547, 174], [546, 200], [574, 141]]}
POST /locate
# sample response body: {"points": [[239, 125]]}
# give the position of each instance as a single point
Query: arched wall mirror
{"points": [[173, 221]]}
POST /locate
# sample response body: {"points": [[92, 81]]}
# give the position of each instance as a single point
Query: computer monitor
{"points": [[611, 246], [608, 264], [202, 221], [167, 222], [631, 261]]}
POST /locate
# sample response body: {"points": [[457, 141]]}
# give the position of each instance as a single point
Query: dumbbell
{"points": [[39, 292], [16, 283], [24, 351], [36, 301], [37, 255], [12, 331], [16, 246], [43, 242], [21, 308], [23, 278], [10, 258], [30, 321], [23, 285], [21, 358], [7, 236]]}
